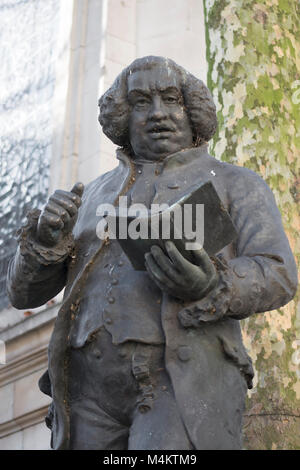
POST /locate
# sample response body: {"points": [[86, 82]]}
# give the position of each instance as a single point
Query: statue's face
{"points": [[158, 123]]}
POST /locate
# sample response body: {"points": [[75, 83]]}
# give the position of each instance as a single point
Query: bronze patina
{"points": [[152, 359]]}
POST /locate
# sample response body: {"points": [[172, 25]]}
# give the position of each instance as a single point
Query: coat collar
{"points": [[171, 162]]}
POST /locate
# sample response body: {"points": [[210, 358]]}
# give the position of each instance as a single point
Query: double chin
{"points": [[158, 149]]}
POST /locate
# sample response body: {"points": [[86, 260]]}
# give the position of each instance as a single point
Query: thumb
{"points": [[78, 189], [203, 260]]}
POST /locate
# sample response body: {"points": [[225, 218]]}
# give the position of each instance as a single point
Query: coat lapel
{"points": [[105, 189]]}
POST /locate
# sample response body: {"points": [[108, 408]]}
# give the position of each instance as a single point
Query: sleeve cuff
{"points": [[213, 307], [236, 295]]}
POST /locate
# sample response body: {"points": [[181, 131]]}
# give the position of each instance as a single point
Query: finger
{"points": [[66, 204], [59, 193], [203, 260], [51, 219], [179, 261], [159, 284], [59, 211], [78, 189], [166, 265], [157, 273]]}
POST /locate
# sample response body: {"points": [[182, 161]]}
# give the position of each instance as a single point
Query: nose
{"points": [[157, 110]]}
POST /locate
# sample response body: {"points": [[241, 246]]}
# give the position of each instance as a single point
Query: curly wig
{"points": [[115, 108]]}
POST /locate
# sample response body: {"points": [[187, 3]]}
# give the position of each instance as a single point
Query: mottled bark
{"points": [[253, 51]]}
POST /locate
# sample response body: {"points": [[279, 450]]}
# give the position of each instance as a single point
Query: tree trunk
{"points": [[253, 51]]}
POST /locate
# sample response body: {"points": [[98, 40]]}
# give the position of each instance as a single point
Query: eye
{"points": [[170, 99], [141, 102]]}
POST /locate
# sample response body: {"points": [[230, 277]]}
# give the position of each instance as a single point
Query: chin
{"points": [[160, 150], [164, 149]]}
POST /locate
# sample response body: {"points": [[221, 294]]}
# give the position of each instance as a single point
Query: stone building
{"points": [[59, 56]]}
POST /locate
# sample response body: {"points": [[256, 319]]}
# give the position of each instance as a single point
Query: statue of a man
{"points": [[152, 359]]}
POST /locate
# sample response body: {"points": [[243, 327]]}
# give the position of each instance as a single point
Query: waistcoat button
{"points": [[184, 353]]}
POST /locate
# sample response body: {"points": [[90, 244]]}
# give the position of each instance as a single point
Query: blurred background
{"points": [[57, 58]]}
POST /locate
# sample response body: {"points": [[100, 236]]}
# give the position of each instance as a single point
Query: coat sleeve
{"points": [[37, 273], [263, 275]]}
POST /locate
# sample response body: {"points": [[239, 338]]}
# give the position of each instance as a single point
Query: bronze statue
{"points": [[152, 359]]}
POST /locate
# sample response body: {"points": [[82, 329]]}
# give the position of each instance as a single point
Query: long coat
{"points": [[204, 354]]}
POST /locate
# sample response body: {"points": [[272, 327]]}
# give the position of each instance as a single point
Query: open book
{"points": [[197, 219]]}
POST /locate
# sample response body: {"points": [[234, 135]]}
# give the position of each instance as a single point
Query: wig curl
{"points": [[115, 107]]}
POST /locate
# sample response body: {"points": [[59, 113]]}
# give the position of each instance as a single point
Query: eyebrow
{"points": [[138, 91], [141, 91], [170, 88]]}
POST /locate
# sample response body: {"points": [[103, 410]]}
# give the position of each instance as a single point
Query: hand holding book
{"points": [[177, 276], [215, 222]]}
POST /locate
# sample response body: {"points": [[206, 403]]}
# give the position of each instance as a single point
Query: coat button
{"points": [[107, 318], [122, 353], [184, 353], [97, 353]]}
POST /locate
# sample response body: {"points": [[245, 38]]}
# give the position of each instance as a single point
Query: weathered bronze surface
{"points": [[152, 359]]}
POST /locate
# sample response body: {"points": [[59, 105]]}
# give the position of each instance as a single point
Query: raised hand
{"points": [[59, 215], [177, 276]]}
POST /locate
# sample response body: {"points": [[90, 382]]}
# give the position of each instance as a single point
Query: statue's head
{"points": [[155, 108]]}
